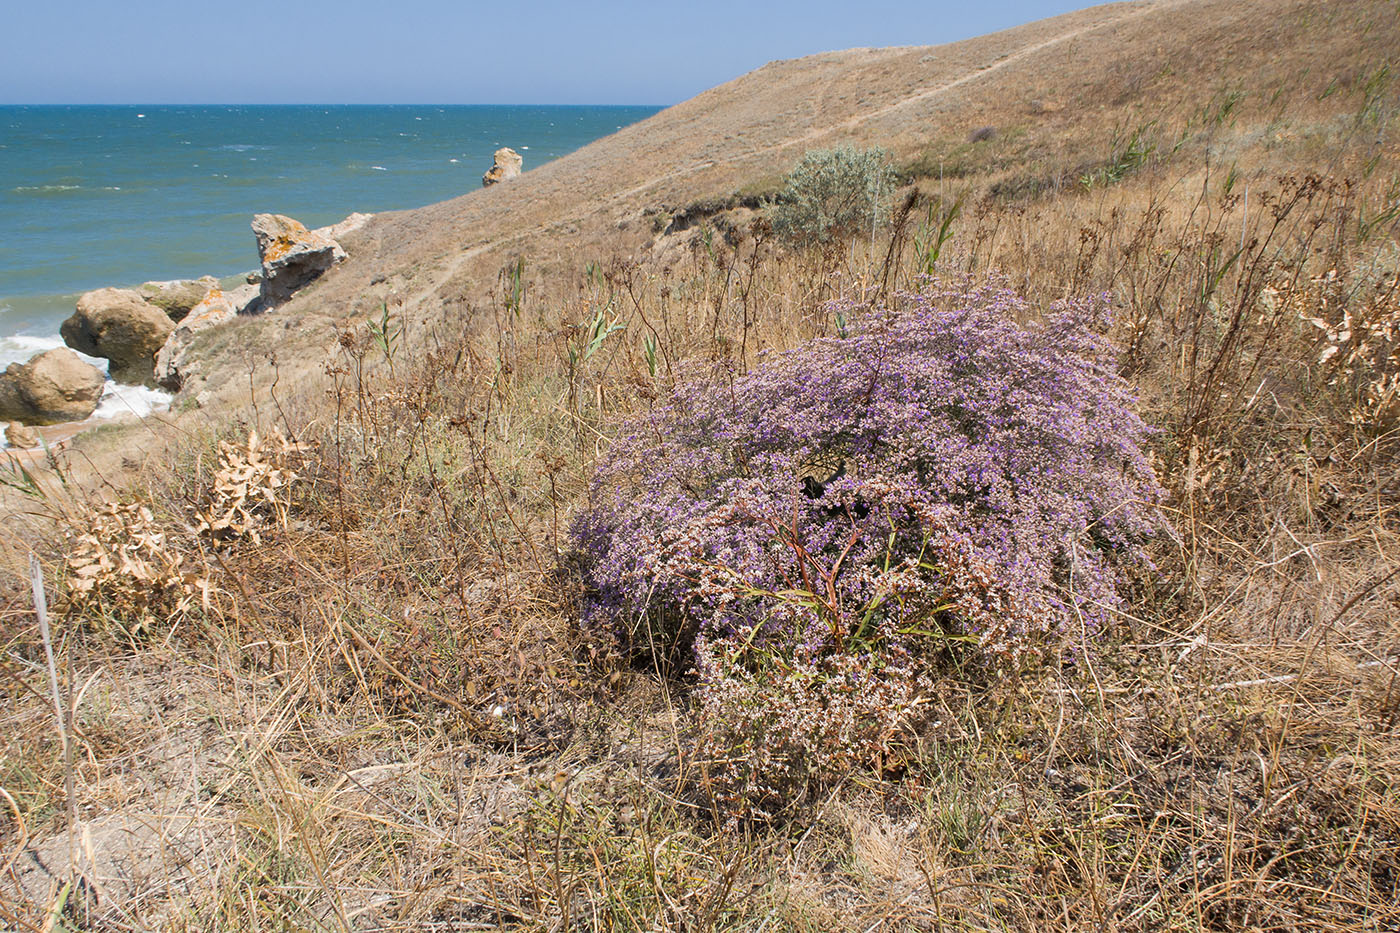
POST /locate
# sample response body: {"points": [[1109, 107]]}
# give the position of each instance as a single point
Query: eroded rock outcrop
{"points": [[21, 435], [507, 165], [51, 388], [346, 227], [292, 256], [174, 366], [177, 296], [121, 326]]}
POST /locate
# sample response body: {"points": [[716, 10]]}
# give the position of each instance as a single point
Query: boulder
{"points": [[174, 365], [292, 256], [120, 325], [53, 387], [346, 227], [508, 164], [176, 297], [21, 435]]}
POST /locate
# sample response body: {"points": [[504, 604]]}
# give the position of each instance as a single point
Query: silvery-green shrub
{"points": [[834, 194]]}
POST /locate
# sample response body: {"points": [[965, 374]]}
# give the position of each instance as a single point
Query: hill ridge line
{"points": [[1121, 14], [926, 94]]}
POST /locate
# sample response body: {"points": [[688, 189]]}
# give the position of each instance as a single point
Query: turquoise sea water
{"points": [[98, 196]]}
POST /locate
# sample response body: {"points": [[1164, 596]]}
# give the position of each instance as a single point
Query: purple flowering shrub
{"points": [[941, 478]]}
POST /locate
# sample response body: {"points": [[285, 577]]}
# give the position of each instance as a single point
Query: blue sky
{"points": [[438, 51]]}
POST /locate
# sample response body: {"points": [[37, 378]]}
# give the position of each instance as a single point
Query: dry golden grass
{"points": [[381, 712]]}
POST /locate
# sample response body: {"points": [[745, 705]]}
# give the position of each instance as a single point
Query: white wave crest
{"points": [[116, 401], [43, 189], [119, 400]]}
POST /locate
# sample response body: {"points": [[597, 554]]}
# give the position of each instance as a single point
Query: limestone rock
{"points": [[292, 256], [53, 387], [176, 297], [174, 365], [346, 227], [508, 164], [21, 435], [120, 325]]}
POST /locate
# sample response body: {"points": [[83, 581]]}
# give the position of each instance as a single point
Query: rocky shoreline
{"points": [[145, 333]]}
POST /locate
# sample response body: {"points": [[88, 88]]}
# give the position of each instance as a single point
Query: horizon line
{"points": [[315, 104]]}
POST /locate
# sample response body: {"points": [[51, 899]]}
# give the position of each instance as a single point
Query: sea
{"points": [[119, 195]]}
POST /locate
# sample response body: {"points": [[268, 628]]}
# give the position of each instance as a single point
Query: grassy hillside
{"points": [[324, 652]]}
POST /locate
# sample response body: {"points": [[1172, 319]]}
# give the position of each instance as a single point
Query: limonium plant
{"points": [[956, 474]]}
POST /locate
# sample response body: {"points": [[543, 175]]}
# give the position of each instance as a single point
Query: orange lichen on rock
{"points": [[292, 256], [282, 245]]}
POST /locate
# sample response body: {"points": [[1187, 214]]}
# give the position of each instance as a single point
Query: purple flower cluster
{"points": [[940, 472]]}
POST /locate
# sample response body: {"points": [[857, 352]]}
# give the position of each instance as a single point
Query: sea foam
{"points": [[116, 400]]}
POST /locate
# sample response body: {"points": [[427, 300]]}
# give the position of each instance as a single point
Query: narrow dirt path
{"points": [[924, 95], [445, 271]]}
